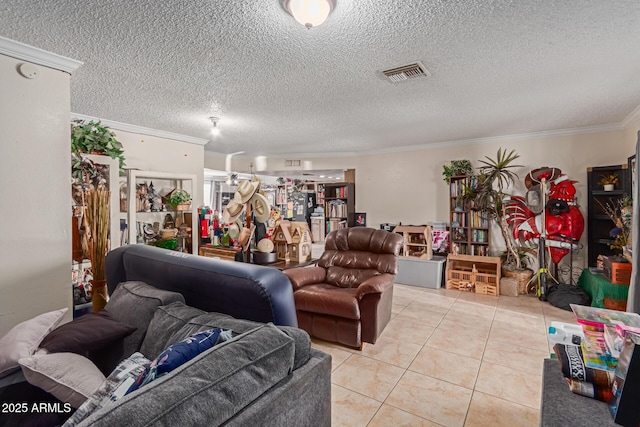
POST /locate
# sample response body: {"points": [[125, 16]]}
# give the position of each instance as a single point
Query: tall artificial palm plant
{"points": [[496, 175]]}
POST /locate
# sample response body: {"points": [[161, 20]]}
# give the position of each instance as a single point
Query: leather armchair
{"points": [[347, 297]]}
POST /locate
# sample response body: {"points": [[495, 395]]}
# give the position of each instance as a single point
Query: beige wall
{"points": [[407, 187], [156, 154], [35, 195]]}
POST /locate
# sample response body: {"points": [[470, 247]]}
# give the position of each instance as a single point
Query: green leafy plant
{"points": [[93, 138], [177, 197], [456, 168], [611, 179], [488, 196]]}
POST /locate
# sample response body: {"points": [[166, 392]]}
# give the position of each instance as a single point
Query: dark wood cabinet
{"points": [[339, 205], [598, 223]]}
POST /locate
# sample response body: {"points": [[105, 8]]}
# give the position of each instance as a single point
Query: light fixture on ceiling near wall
{"points": [[215, 131], [310, 13]]}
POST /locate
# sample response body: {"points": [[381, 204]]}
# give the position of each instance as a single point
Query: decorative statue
{"points": [[563, 221]]}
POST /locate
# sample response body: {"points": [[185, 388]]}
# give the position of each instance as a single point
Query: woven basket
{"points": [[522, 276]]}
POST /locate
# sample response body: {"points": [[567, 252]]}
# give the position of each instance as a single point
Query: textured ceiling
{"points": [[497, 67]]}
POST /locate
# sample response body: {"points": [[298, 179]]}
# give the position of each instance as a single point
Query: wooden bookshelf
{"points": [[470, 229], [339, 205]]}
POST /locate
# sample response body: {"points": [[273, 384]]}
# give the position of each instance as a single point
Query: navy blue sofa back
{"points": [[244, 291]]}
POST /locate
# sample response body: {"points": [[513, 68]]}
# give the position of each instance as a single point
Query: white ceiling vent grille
{"points": [[406, 72]]}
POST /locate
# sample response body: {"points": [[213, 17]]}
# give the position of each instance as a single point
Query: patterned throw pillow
{"points": [[178, 354], [115, 385]]}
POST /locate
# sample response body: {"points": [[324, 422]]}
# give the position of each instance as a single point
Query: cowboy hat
{"points": [[261, 208], [245, 191], [234, 229], [535, 176], [231, 212]]}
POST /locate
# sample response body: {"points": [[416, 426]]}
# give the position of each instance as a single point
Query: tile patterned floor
{"points": [[446, 358]]}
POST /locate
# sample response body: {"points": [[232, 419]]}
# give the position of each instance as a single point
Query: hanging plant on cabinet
{"points": [[91, 137]]}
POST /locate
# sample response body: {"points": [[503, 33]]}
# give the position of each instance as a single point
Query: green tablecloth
{"points": [[599, 287]]}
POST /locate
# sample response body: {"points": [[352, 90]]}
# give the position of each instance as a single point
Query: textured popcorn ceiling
{"points": [[497, 67]]}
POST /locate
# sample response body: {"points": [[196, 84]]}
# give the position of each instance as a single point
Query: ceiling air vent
{"points": [[406, 72]]}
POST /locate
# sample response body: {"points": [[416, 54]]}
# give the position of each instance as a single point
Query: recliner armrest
{"points": [[303, 276], [376, 284]]}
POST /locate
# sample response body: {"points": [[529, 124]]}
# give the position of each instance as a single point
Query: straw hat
{"points": [[231, 212], [265, 245], [234, 229], [245, 191], [261, 208]]}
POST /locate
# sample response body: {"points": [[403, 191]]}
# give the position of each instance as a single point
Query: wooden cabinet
{"points": [[598, 223], [469, 227], [339, 205]]}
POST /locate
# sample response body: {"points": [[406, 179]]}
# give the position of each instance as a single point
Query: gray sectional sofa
{"points": [[268, 374]]}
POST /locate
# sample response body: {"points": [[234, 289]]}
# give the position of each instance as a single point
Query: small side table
{"points": [[599, 287]]}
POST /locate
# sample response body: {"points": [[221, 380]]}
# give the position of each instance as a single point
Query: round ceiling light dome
{"points": [[310, 13]]}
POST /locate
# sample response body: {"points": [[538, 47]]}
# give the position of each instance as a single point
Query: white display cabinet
{"points": [[186, 182]]}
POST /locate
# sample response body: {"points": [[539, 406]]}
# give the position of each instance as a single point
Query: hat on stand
{"points": [[261, 208], [245, 191], [231, 212]]}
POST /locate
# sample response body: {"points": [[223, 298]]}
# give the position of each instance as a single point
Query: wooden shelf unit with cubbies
{"points": [[469, 227], [474, 273], [418, 241]]}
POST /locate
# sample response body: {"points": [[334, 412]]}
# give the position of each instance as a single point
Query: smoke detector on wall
{"points": [[405, 72]]}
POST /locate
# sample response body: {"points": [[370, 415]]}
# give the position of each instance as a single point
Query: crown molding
{"points": [[142, 130], [34, 55], [493, 139], [634, 115]]}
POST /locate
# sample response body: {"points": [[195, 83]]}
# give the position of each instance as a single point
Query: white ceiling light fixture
{"points": [[310, 13], [215, 131]]}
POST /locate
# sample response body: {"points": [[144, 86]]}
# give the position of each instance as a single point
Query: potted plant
{"points": [[179, 199], [608, 181], [92, 137], [456, 168], [495, 176]]}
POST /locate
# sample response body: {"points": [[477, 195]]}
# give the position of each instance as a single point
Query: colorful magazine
{"points": [[599, 317]]}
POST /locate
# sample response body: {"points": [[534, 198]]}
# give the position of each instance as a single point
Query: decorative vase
{"points": [[99, 295], [609, 187]]}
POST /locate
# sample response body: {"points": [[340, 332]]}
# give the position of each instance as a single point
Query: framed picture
{"points": [[632, 170], [361, 219]]}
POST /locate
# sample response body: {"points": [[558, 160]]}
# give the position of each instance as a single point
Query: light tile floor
{"points": [[446, 358]]}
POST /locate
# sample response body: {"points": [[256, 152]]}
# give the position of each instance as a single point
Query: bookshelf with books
{"points": [[469, 227], [339, 205]]}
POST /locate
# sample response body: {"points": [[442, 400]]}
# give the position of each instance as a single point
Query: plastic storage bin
{"points": [[421, 272]]}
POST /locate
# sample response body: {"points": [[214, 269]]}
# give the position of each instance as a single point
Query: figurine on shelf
{"points": [[154, 199]]}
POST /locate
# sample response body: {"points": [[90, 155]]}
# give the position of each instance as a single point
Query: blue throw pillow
{"points": [[178, 354]]}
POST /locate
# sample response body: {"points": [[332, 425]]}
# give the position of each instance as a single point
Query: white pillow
{"points": [[68, 376], [23, 340]]}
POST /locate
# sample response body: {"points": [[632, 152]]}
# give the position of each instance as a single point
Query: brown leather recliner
{"points": [[347, 297]]}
